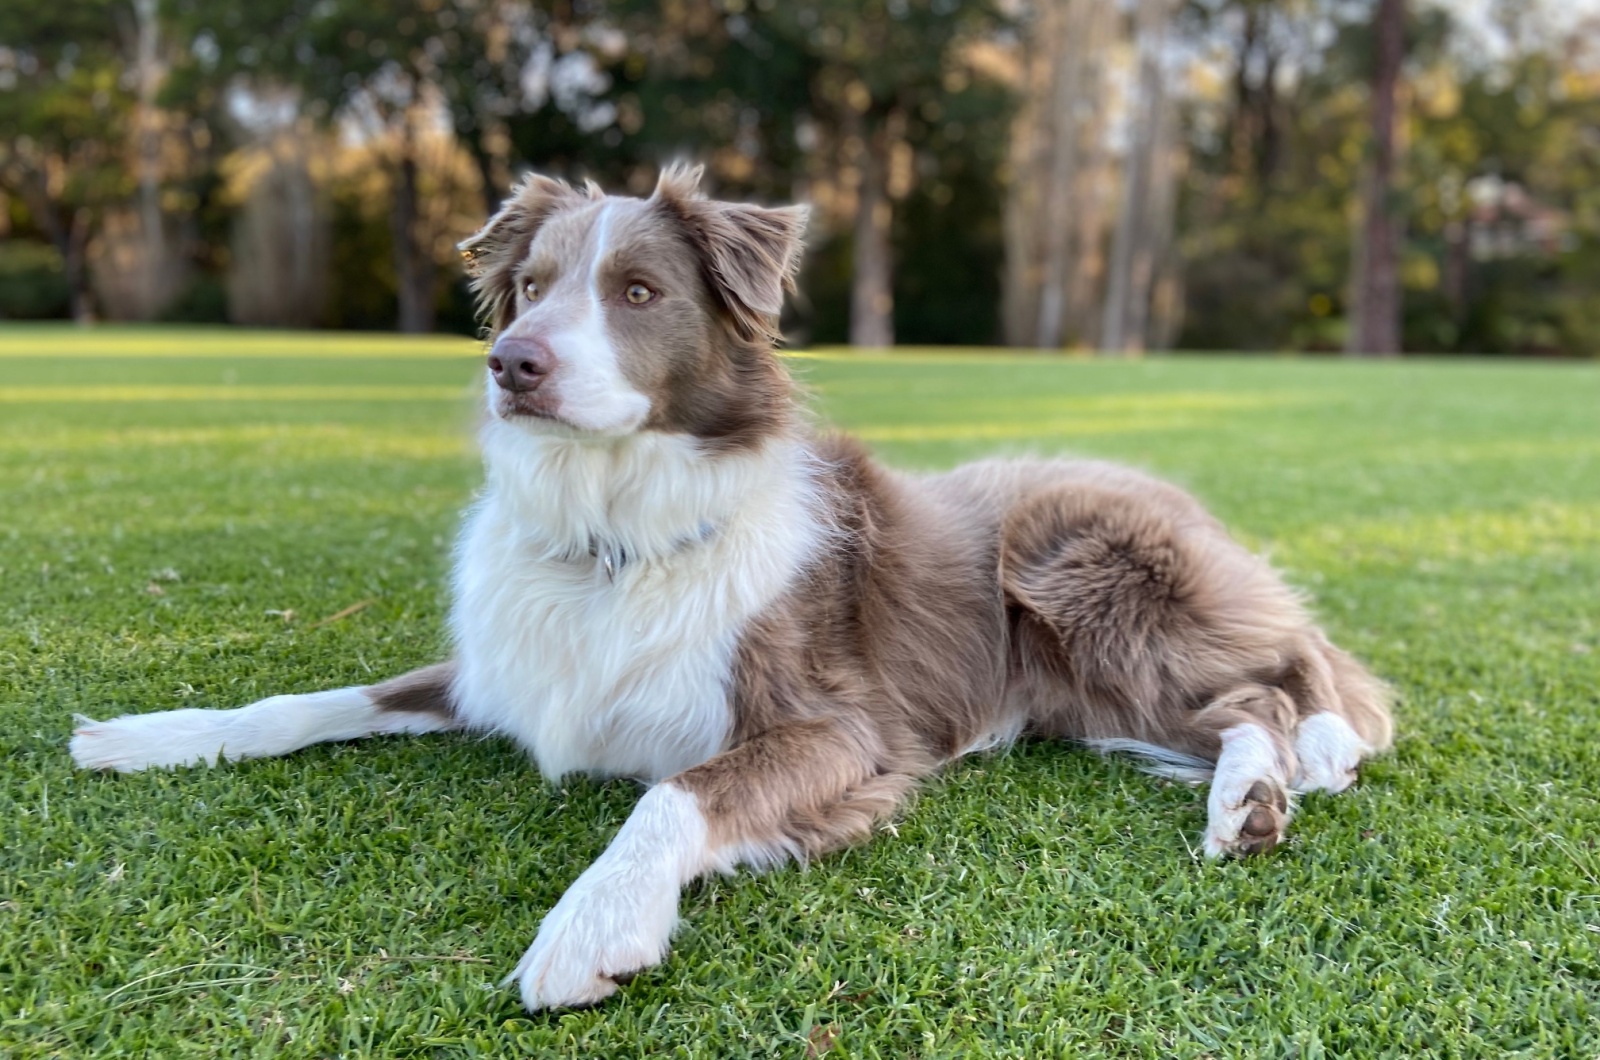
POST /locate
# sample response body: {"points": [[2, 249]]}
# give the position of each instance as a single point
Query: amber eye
{"points": [[531, 289], [639, 294]]}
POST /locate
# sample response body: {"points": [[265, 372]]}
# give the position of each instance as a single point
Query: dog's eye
{"points": [[531, 289], [639, 294]]}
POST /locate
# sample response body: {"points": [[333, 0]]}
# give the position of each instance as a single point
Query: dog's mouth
{"points": [[541, 411], [513, 405]]}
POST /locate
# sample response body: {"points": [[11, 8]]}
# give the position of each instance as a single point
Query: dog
{"points": [[671, 576]]}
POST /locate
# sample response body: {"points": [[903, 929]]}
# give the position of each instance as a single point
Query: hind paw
{"points": [[1253, 825], [1329, 751]]}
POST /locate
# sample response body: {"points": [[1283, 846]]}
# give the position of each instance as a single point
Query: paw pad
{"points": [[1262, 827]]}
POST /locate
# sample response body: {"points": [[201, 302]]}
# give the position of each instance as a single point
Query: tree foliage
{"points": [[65, 104], [899, 119]]}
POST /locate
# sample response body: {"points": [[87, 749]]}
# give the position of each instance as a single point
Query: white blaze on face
{"points": [[590, 389]]}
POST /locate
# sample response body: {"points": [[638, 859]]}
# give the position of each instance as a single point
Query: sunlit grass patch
{"points": [[1014, 418], [116, 395], [278, 440], [1542, 528], [118, 343], [363, 900]]}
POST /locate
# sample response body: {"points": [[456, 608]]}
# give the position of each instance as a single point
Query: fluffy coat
{"points": [[671, 576]]}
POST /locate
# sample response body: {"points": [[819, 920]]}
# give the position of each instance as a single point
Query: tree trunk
{"points": [[1092, 197], [75, 263], [1457, 270], [872, 288], [490, 145], [488, 187], [154, 276], [1055, 199], [1032, 132], [1056, 219], [1375, 285], [67, 228], [1164, 265], [305, 246], [413, 265], [1132, 271], [1019, 289], [1152, 248]]}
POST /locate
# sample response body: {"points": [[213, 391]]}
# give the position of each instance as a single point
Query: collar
{"points": [[613, 556]]}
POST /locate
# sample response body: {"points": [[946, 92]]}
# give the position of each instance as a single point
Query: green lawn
{"points": [[181, 511]]}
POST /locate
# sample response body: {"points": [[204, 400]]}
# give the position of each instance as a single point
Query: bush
{"points": [[205, 301], [33, 284]]}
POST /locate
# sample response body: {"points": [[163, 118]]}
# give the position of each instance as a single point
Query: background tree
{"points": [[887, 117], [1271, 130], [881, 72], [1060, 174], [1375, 273], [1144, 216], [66, 108], [1189, 172], [390, 72]]}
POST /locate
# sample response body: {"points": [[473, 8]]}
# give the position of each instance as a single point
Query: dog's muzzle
{"points": [[520, 364]]}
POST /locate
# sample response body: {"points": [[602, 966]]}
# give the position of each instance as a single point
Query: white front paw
{"points": [[607, 927], [135, 742]]}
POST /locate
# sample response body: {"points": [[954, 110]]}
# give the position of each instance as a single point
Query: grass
{"points": [[181, 511]]}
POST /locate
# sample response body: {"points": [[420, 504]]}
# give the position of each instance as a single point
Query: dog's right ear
{"points": [[492, 255]]}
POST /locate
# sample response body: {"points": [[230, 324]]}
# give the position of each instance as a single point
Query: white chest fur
{"points": [[627, 676]]}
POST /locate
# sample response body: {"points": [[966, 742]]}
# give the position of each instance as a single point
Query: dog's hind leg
{"points": [[416, 702], [1269, 742], [1248, 732], [1344, 717]]}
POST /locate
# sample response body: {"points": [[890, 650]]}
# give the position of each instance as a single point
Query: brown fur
{"points": [[749, 254], [424, 691], [703, 358], [1073, 600], [1065, 599], [898, 621], [495, 255]]}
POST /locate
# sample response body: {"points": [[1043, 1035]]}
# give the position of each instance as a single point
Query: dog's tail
{"points": [[1159, 761]]}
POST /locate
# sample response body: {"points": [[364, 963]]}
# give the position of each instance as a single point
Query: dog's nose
{"points": [[520, 364]]}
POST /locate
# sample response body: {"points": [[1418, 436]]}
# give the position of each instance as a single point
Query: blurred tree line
{"points": [[1215, 174]]}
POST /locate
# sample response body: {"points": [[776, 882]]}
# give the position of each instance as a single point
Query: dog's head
{"points": [[612, 316]]}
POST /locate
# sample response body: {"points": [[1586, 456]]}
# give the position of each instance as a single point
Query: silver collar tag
{"points": [[612, 558]]}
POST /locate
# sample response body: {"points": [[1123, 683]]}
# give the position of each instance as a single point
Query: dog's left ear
{"points": [[752, 253]]}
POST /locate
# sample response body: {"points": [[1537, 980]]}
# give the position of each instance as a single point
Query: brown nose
{"points": [[520, 364]]}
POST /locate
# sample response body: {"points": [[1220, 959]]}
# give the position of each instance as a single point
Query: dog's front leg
{"points": [[795, 790], [416, 702], [617, 917]]}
